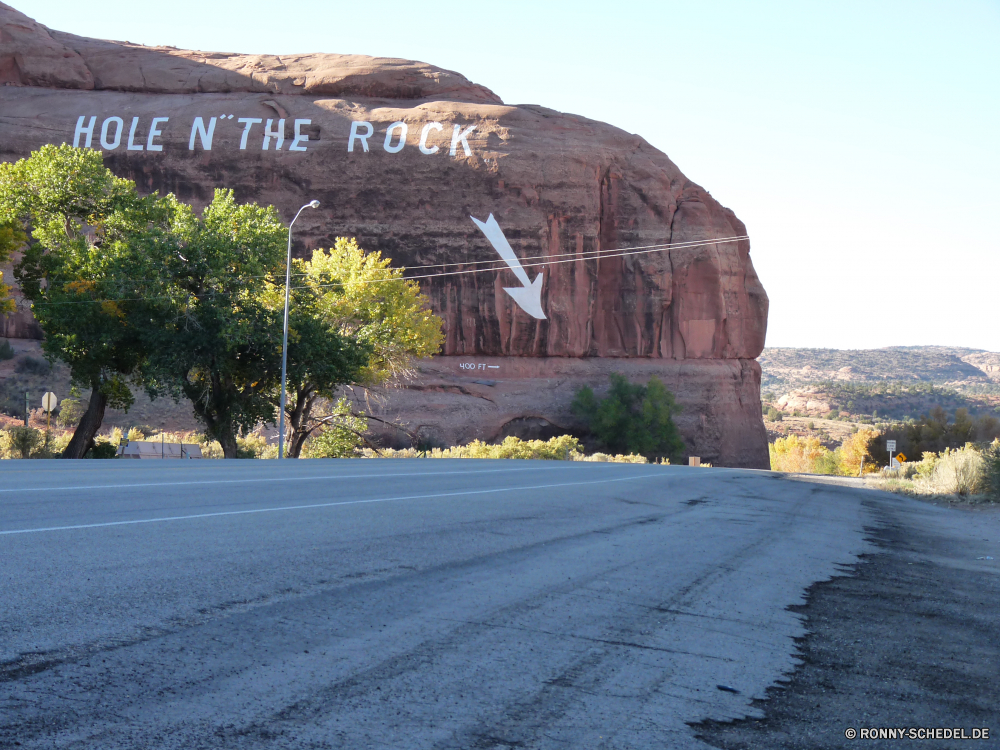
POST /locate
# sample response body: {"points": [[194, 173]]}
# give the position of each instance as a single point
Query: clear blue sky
{"points": [[857, 140]]}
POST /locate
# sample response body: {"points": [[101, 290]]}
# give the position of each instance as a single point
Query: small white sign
{"points": [[890, 445], [49, 401]]}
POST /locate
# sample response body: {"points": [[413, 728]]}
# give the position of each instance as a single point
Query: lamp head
{"points": [[313, 204]]}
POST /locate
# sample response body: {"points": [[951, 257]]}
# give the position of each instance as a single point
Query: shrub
{"points": [[562, 448], [23, 440], [6, 350], [341, 439], [103, 449], [70, 411], [773, 415], [828, 463], [34, 366], [959, 472], [632, 418], [255, 446], [632, 458], [795, 454], [53, 447], [991, 470], [559, 448], [210, 448]]}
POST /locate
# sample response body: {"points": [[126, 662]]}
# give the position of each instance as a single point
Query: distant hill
{"points": [[955, 367], [894, 382]]}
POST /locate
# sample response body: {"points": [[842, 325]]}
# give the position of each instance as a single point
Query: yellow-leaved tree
{"points": [[795, 454], [360, 295], [855, 451], [11, 237]]}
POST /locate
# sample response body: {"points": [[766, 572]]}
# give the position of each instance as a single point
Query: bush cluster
{"points": [[806, 455], [970, 470], [342, 438], [27, 442], [632, 418], [33, 366], [562, 448]]}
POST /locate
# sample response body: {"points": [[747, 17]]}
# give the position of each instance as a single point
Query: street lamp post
{"points": [[284, 342]]}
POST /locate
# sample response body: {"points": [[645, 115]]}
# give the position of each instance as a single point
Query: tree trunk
{"points": [[296, 443], [298, 419], [83, 438], [227, 439]]}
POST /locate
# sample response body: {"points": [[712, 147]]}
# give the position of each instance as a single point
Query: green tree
{"points": [[219, 342], [87, 233], [222, 307], [360, 297], [320, 360], [632, 418]]}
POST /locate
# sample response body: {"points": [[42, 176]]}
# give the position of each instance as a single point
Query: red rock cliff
{"points": [[401, 154]]}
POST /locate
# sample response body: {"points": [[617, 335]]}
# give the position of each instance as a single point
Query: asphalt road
{"points": [[406, 603]]}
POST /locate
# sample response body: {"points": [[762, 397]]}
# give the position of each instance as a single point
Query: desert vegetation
{"points": [[972, 472], [956, 457], [344, 439]]}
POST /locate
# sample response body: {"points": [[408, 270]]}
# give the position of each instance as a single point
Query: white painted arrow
{"points": [[529, 295]]}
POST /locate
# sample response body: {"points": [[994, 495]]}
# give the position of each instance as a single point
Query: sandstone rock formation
{"points": [[401, 154]]}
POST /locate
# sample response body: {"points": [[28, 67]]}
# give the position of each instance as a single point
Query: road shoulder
{"points": [[910, 638]]}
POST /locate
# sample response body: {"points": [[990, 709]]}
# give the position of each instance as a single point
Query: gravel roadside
{"points": [[910, 638]]}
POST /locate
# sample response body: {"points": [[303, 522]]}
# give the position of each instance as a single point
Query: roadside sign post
{"points": [[890, 445], [27, 409], [49, 402]]}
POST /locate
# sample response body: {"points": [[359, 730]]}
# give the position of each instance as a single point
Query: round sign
{"points": [[49, 401]]}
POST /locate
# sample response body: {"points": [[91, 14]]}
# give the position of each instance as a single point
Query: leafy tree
{"points": [[219, 339], [856, 452], [320, 360], [87, 233], [632, 418], [222, 310], [362, 298]]}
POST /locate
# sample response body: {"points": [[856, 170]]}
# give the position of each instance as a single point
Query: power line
{"points": [[496, 265], [500, 263], [597, 255]]}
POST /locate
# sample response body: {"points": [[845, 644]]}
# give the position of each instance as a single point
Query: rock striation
{"points": [[641, 270]]}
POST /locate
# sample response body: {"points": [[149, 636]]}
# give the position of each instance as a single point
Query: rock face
{"points": [[634, 268]]}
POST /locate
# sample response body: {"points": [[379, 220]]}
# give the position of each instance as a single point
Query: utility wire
{"points": [[500, 263], [497, 265], [577, 258]]}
